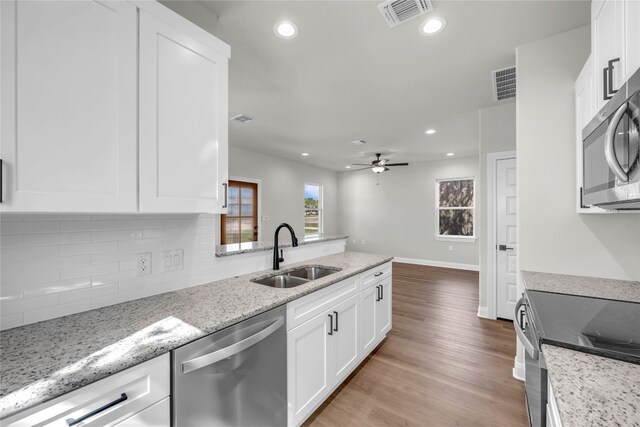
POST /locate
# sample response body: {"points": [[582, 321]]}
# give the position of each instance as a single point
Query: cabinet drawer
{"points": [[130, 392], [375, 275], [309, 306]]}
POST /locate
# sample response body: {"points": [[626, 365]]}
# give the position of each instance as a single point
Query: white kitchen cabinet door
{"points": [[383, 309], [183, 121], [157, 415], [632, 37], [308, 365], [344, 341], [69, 106], [367, 326], [607, 42]]}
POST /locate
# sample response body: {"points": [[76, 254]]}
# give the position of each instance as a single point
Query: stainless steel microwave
{"points": [[611, 152]]}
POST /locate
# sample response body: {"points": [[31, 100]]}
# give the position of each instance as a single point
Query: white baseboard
{"points": [[484, 312], [444, 264], [518, 369]]}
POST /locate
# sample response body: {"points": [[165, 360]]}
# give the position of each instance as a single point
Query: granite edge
{"points": [[220, 254]]}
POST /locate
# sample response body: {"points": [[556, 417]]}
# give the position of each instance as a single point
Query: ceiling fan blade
{"points": [[397, 164], [361, 169], [360, 164]]}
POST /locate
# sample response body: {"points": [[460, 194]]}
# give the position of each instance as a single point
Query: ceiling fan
{"points": [[378, 165]]}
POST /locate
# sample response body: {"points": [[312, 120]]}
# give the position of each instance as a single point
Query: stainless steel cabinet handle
{"points": [[331, 324], [74, 421], [226, 193], [609, 148], [528, 346], [218, 355]]}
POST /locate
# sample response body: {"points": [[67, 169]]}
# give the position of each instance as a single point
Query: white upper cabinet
{"points": [[183, 120], [607, 44], [69, 116], [615, 45], [111, 106]]}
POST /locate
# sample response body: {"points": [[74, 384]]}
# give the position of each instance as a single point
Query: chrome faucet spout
{"points": [[278, 257]]}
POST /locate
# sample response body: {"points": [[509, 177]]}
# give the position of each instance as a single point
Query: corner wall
{"points": [[397, 217], [497, 133]]}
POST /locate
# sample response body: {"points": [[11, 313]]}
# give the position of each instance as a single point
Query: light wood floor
{"points": [[440, 365]]}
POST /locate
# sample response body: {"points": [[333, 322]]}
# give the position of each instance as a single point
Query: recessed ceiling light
{"points": [[433, 25], [304, 154], [286, 29], [348, 167], [450, 154], [430, 131]]}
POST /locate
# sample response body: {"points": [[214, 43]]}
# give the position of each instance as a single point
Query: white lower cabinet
{"points": [[553, 415], [350, 319], [138, 396]]}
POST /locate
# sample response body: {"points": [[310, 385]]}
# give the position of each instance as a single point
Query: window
{"points": [[240, 224], [312, 209], [455, 209]]}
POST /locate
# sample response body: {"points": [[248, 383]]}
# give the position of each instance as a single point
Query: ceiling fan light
{"points": [[378, 169]]}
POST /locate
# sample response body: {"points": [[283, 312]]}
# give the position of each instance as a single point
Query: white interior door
{"points": [[506, 240], [68, 106], [183, 121]]}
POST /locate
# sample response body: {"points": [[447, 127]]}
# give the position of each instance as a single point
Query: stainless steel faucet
{"points": [[278, 257]]}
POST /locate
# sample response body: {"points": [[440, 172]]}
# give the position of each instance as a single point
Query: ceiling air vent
{"points": [[504, 83], [396, 12], [243, 118]]}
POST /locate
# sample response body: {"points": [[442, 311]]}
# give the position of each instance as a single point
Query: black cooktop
{"points": [[604, 327]]}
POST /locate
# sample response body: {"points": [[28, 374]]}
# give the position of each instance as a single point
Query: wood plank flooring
{"points": [[440, 365]]}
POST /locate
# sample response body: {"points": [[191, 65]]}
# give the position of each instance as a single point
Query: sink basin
{"points": [[312, 273], [281, 281], [297, 277]]}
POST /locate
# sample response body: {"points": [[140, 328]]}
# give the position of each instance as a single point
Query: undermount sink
{"points": [[297, 277]]}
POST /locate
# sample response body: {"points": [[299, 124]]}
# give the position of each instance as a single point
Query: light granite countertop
{"points": [[41, 361], [622, 290], [592, 390], [266, 245]]}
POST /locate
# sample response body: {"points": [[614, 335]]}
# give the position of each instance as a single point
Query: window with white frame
{"points": [[455, 209], [312, 209]]}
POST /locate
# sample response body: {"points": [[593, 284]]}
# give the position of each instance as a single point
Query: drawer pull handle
{"points": [[331, 324], [336, 329], [72, 422], [378, 293], [379, 274]]}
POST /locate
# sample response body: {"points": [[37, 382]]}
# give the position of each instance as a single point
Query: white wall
{"points": [[397, 217], [282, 189], [497, 133], [552, 237], [194, 12], [55, 265]]}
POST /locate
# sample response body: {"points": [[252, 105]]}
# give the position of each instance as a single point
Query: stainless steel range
{"points": [[598, 326]]}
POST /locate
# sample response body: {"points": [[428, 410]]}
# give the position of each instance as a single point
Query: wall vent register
{"points": [[504, 83]]}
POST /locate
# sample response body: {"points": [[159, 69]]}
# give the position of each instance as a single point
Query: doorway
{"points": [[502, 235], [240, 223]]}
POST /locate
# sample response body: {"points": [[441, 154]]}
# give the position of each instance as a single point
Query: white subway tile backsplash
{"points": [[56, 265]]}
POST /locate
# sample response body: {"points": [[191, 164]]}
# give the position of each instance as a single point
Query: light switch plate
{"points": [[172, 260]]}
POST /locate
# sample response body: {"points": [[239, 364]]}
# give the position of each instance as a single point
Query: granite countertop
{"points": [[623, 290], [41, 361], [592, 390], [266, 245]]}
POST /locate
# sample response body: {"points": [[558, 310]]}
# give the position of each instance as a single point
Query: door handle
{"points": [[336, 329], [330, 324], [609, 147], [607, 80], [226, 193], [233, 349], [505, 248]]}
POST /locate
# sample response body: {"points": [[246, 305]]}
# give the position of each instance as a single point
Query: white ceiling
{"points": [[348, 76]]}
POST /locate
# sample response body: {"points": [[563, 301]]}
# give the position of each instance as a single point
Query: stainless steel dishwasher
{"points": [[234, 377]]}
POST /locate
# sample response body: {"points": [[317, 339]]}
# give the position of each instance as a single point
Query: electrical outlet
{"points": [[173, 260], [143, 264], [450, 247]]}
